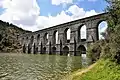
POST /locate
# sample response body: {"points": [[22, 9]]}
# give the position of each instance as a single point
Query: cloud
{"points": [[29, 18], [58, 2], [1, 2], [18, 13], [63, 17], [53, 20]]}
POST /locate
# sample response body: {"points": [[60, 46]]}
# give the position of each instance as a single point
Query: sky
{"points": [[35, 15]]}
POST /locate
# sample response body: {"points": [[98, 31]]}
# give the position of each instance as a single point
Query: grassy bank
{"points": [[101, 70]]}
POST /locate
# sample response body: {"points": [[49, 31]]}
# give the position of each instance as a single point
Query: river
{"points": [[37, 67]]}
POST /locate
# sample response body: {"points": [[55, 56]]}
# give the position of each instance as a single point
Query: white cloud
{"points": [[1, 2], [26, 14], [22, 13], [58, 2], [76, 12]]}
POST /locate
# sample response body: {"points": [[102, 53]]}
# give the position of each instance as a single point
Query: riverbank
{"points": [[101, 70]]}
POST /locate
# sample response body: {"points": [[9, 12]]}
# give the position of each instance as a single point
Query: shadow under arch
{"points": [[53, 50], [81, 50], [61, 52], [45, 38], [29, 48], [32, 40], [24, 48], [35, 49], [66, 50], [38, 39], [41, 48], [44, 50]]}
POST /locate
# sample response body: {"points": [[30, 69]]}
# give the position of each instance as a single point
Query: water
{"points": [[37, 67]]}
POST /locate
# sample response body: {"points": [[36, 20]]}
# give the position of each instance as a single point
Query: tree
{"points": [[113, 10]]}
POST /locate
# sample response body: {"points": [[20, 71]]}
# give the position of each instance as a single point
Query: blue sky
{"points": [[48, 8], [31, 14]]}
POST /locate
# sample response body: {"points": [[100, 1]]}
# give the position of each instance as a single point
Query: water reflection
{"points": [[37, 67]]}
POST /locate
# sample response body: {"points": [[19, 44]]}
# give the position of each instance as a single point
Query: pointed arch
{"points": [[32, 40], [82, 33], [41, 48], [102, 29], [55, 37], [44, 50], [67, 32], [34, 48], [29, 48], [22, 41], [46, 36], [38, 39], [24, 48], [53, 50], [81, 50], [66, 50]]}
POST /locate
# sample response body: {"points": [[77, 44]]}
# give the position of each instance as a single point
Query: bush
{"points": [[93, 51]]}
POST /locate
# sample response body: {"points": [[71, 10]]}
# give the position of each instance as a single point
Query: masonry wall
{"points": [[47, 46]]}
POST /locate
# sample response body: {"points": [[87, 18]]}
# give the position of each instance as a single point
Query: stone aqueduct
{"points": [[44, 41]]}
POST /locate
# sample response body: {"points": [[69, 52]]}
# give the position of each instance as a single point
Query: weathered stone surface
{"points": [[48, 45]]}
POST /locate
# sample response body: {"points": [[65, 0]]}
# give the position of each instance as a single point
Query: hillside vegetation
{"points": [[101, 70], [9, 34]]}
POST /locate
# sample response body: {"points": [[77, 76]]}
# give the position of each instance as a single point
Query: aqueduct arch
{"points": [[66, 50], [54, 50], [81, 50], [55, 37], [67, 35], [81, 36], [100, 29], [46, 40], [38, 39]]}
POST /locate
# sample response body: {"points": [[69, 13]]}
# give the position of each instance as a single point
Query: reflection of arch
{"points": [[67, 35], [44, 50], [38, 39], [101, 27], [45, 38], [66, 50], [55, 37], [29, 48], [81, 50], [24, 48], [82, 33], [53, 50], [26, 38]]}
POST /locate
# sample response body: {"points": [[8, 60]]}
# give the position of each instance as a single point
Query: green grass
{"points": [[103, 70]]}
